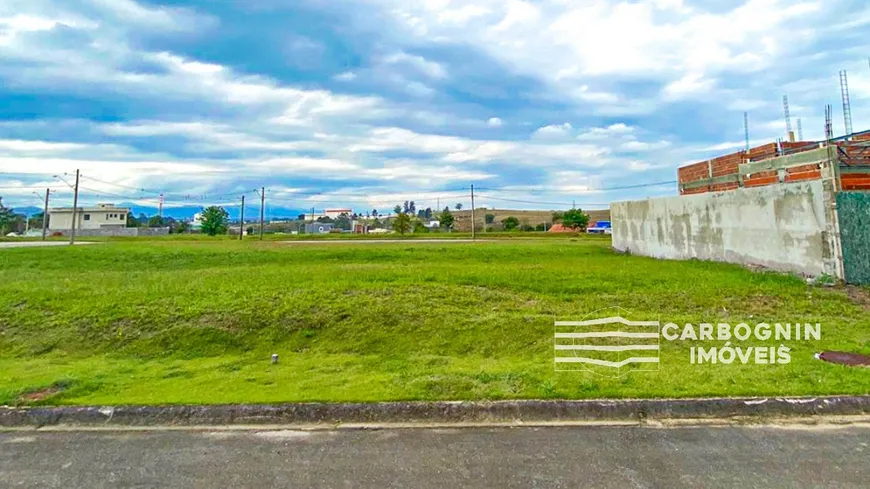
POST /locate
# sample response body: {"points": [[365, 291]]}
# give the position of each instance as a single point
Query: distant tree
{"points": [[374, 213], [35, 221], [325, 219], [7, 219], [428, 213], [181, 227], [249, 231], [215, 220], [132, 222], [575, 219], [376, 223], [489, 218], [446, 219], [510, 223], [143, 219], [300, 217], [397, 209], [458, 206], [419, 227], [406, 207], [343, 221], [541, 227], [557, 216], [155, 222], [402, 223], [412, 208], [421, 214]]}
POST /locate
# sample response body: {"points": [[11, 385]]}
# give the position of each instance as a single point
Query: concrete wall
{"points": [[114, 231], [785, 227]]}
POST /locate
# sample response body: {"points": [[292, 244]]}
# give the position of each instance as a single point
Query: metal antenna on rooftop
{"points": [[800, 130], [829, 124], [847, 106], [746, 129], [788, 132]]}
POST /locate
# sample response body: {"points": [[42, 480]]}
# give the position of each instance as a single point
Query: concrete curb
{"points": [[636, 410]]}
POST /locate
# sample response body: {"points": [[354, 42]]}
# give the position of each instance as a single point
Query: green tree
{"points": [[510, 223], [155, 222], [397, 209], [419, 227], [343, 221], [215, 220], [575, 219], [181, 227], [458, 206], [489, 218], [446, 218], [402, 223], [557, 216], [7, 218], [132, 222], [35, 221]]}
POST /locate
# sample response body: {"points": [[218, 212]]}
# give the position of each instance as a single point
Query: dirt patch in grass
{"points": [[859, 295], [39, 395]]}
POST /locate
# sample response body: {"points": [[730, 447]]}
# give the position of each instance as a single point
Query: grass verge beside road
{"points": [[195, 322]]}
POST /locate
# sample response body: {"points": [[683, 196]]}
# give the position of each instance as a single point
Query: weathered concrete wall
{"points": [[785, 227]]}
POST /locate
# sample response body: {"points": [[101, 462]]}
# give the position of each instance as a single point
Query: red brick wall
{"points": [[855, 181]]}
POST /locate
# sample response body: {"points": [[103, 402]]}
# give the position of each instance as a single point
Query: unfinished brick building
{"points": [[775, 163]]}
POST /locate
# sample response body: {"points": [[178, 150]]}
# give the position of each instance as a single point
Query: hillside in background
{"points": [[531, 218]]}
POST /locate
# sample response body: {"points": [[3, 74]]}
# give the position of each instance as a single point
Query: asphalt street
{"points": [[618, 457]]}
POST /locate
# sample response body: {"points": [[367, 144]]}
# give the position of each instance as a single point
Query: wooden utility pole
{"points": [[242, 220], [72, 233], [45, 215], [472, 211], [262, 210]]}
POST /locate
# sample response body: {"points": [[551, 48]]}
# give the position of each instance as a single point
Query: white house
{"points": [[100, 217]]}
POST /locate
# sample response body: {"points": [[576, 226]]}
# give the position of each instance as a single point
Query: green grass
{"points": [[169, 321]]}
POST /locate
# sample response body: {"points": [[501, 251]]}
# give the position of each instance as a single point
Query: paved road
{"points": [[619, 457], [36, 244]]}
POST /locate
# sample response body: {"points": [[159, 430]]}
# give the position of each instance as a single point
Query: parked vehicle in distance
{"points": [[600, 227]]}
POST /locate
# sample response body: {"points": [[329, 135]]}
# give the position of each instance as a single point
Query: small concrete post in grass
{"points": [[274, 358]]}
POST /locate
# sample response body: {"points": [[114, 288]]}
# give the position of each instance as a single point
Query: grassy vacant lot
{"points": [[195, 322]]}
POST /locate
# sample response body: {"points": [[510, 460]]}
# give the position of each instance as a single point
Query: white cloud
{"points": [[554, 131], [494, 122], [638, 146], [346, 76], [689, 85], [599, 133], [420, 64]]}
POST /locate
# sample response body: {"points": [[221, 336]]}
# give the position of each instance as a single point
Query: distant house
{"points": [[103, 216], [432, 224], [334, 213]]}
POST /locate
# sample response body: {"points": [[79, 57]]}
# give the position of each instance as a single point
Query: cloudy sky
{"points": [[364, 103]]}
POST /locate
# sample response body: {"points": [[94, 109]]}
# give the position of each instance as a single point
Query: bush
{"points": [[541, 227], [510, 223]]}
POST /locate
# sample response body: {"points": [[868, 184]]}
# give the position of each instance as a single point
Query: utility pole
{"points": [[72, 234], [45, 215], [472, 212], [242, 220], [262, 210]]}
